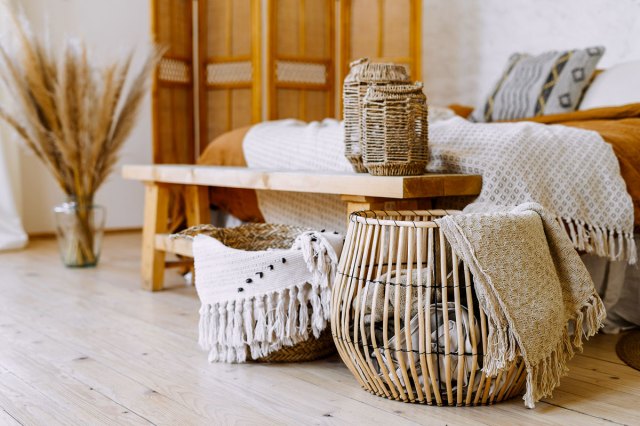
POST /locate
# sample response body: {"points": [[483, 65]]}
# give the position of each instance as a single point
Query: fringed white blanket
{"points": [[531, 284], [572, 172], [296, 145], [256, 302]]}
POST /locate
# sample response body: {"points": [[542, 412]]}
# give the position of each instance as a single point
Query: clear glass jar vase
{"points": [[79, 228]]}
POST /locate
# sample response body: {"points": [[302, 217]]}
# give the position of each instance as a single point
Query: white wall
{"points": [[467, 42], [110, 28]]}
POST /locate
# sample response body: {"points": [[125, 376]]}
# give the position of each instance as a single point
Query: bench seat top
{"points": [[318, 182]]}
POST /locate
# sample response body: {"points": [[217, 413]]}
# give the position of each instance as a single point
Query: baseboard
{"points": [[46, 235]]}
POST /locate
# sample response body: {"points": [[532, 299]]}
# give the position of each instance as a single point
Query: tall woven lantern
{"points": [[395, 130], [362, 75], [405, 317]]}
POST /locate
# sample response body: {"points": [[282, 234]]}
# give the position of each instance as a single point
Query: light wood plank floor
{"points": [[89, 347]]}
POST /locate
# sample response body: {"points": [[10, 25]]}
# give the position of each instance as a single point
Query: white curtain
{"points": [[12, 234]]}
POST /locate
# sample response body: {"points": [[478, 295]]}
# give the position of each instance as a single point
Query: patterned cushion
{"points": [[550, 83]]}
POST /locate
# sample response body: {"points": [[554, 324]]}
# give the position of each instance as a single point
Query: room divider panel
{"points": [[173, 90], [229, 51], [300, 59], [225, 69]]}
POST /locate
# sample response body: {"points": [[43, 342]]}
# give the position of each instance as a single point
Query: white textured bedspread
{"points": [[571, 172]]}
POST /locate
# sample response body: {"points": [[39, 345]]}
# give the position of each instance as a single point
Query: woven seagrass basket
{"points": [[405, 317], [265, 236], [362, 75], [395, 130]]}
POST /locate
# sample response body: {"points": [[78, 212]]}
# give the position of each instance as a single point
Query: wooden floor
{"points": [[89, 347]]}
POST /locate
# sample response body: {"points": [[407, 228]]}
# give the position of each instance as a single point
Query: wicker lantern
{"points": [[394, 130], [363, 74], [405, 317]]}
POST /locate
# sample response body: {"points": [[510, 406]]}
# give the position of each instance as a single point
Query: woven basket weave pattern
{"points": [[250, 237], [362, 75], [394, 130], [406, 319]]}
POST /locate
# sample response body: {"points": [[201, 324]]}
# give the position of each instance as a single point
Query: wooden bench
{"points": [[359, 192]]}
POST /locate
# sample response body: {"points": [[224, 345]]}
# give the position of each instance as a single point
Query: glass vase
{"points": [[79, 228]]}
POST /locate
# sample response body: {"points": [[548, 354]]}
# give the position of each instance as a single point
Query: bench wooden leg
{"points": [[156, 214], [197, 205], [198, 211]]}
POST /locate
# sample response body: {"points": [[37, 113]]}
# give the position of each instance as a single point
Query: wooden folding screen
{"points": [[382, 30], [172, 90], [229, 33], [300, 59]]}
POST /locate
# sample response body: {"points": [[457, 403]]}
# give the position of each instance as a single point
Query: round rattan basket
{"points": [[362, 75], [265, 236], [394, 130], [405, 317]]}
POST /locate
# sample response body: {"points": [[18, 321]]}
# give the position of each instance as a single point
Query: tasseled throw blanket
{"points": [[572, 172], [256, 302], [532, 285]]}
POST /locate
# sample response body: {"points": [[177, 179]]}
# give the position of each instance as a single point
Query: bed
{"points": [[610, 107]]}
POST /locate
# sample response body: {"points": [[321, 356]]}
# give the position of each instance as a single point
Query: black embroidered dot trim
{"points": [[240, 289], [249, 281]]}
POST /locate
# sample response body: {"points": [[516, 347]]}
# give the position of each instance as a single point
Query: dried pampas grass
{"points": [[75, 116]]}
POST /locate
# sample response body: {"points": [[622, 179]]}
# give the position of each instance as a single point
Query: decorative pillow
{"points": [[618, 85], [550, 83]]}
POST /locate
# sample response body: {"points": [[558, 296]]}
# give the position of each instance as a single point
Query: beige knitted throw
{"points": [[532, 285]]}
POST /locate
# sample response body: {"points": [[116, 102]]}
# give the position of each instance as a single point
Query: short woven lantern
{"points": [[405, 317], [395, 130], [362, 75]]}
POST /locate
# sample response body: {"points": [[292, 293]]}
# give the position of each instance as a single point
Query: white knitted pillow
{"points": [[618, 85]]}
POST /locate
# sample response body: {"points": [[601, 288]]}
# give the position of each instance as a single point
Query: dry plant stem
{"points": [[74, 115], [84, 253]]}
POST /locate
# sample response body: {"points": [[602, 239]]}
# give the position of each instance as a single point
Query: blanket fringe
{"points": [[547, 373], [257, 326], [227, 330], [613, 244]]}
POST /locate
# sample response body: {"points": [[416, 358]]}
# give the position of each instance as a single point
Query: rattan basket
{"points": [[395, 130], [362, 75], [405, 316], [264, 236]]}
